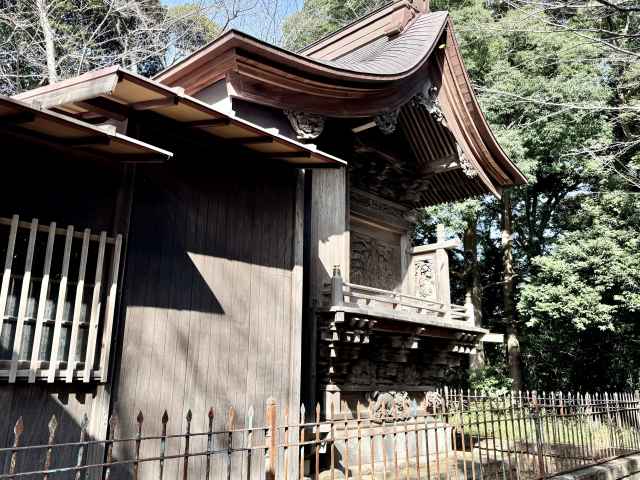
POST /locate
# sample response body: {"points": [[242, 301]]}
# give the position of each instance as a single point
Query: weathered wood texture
{"points": [[212, 299], [69, 191], [328, 229]]}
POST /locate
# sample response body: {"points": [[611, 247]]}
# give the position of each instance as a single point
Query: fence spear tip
{"points": [[53, 424], [165, 417], [189, 415], [113, 421], [85, 421], [210, 414], [19, 427], [140, 417]]}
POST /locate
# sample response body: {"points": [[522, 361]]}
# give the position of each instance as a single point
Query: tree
{"points": [[583, 300], [44, 41], [318, 18]]}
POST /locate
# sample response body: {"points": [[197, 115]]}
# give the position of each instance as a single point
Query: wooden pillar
{"points": [[443, 288], [331, 397]]}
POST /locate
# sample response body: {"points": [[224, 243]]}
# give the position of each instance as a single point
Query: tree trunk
{"points": [[472, 283], [49, 36], [513, 344]]}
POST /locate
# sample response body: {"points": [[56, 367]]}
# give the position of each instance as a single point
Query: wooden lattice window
{"points": [[57, 301]]}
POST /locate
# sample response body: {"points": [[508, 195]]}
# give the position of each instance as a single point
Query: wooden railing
{"points": [[57, 301], [343, 293]]}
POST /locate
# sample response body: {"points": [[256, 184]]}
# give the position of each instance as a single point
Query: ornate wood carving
{"points": [[377, 204], [373, 262], [465, 164], [306, 125], [428, 98], [384, 362], [388, 121], [390, 404], [425, 278]]}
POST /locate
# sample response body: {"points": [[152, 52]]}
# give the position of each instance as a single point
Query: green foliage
{"points": [[585, 294], [189, 30], [563, 109], [490, 380], [142, 35], [560, 87], [321, 17]]}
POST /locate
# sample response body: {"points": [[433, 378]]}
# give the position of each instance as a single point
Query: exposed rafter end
{"points": [[363, 127]]}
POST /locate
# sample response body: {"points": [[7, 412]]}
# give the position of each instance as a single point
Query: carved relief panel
{"points": [[375, 261], [424, 277]]}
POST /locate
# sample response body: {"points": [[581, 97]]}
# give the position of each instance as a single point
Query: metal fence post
{"points": [[272, 438], [537, 421]]}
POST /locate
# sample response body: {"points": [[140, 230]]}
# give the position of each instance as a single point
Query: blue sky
{"points": [[261, 18]]}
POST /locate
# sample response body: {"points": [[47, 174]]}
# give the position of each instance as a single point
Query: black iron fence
{"points": [[449, 435]]}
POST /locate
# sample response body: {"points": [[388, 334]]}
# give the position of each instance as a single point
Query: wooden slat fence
{"points": [[53, 324], [452, 434]]}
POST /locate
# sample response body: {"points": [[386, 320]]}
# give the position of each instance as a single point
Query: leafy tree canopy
{"points": [[318, 18]]}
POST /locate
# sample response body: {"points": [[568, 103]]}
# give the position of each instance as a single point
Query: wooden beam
{"points": [[132, 158], [363, 127], [492, 338], [212, 122], [392, 158], [454, 243], [296, 154], [20, 117], [75, 93], [157, 103], [249, 140], [81, 141], [106, 108]]}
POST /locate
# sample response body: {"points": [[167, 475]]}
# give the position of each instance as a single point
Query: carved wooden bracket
{"points": [[306, 125], [388, 121], [428, 98], [465, 164]]}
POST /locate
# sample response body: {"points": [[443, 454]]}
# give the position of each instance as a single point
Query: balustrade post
{"points": [[469, 309], [337, 296]]}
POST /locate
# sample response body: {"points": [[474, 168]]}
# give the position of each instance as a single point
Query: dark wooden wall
{"points": [[213, 297], [68, 188]]}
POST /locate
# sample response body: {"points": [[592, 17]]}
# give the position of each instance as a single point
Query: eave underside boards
{"points": [[468, 124], [435, 151], [510, 174], [24, 121], [275, 87], [132, 95]]}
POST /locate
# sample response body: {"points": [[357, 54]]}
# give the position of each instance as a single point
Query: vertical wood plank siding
{"points": [[62, 191], [213, 299]]}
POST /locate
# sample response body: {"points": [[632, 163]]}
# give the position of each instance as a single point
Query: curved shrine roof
{"points": [[397, 55]]}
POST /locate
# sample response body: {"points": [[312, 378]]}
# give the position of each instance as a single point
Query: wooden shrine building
{"points": [[238, 227]]}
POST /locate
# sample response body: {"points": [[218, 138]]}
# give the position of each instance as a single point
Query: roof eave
{"points": [[104, 83]]}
